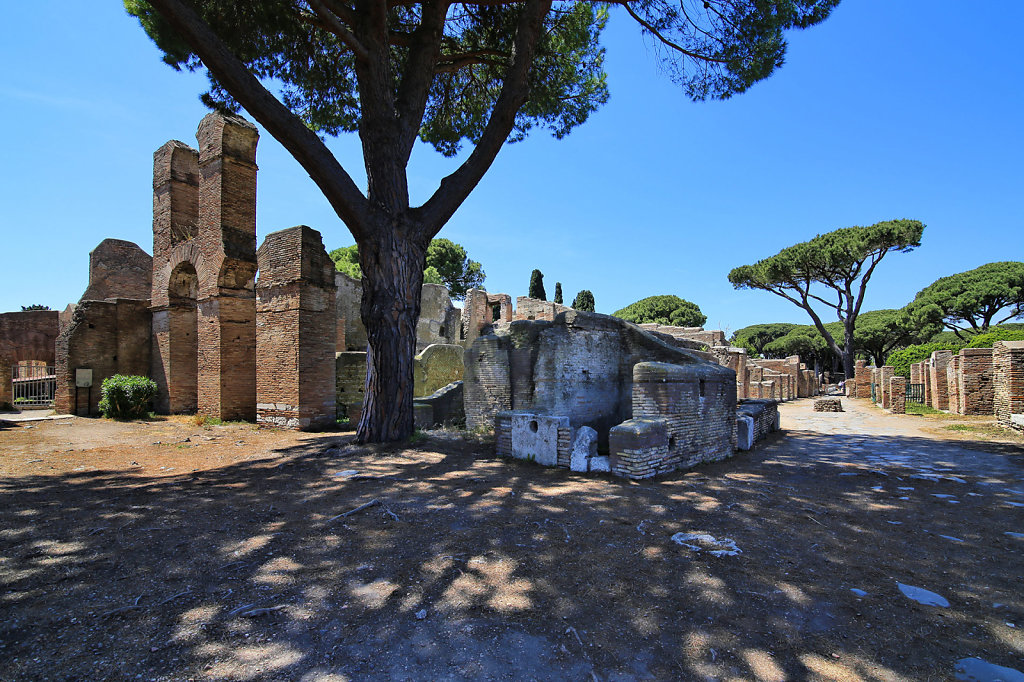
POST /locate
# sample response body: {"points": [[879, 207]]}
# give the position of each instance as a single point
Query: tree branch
{"points": [[657, 34], [421, 64], [308, 149], [333, 24], [454, 188]]}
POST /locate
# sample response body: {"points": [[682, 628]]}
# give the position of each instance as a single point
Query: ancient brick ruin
{"points": [[26, 339]]}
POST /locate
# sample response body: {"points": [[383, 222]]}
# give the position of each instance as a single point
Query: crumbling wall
{"points": [[938, 380], [953, 384], [204, 266], [108, 337], [439, 321], [580, 366], [535, 309], [437, 366], [1008, 383], [25, 336], [351, 332], [699, 335], [119, 269], [295, 326], [480, 310], [975, 381], [898, 394]]}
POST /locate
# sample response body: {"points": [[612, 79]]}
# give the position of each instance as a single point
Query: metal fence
{"points": [[915, 393], [33, 385]]}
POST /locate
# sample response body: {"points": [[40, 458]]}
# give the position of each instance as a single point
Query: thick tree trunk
{"points": [[392, 283]]}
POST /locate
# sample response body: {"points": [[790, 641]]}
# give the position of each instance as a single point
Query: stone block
{"points": [[423, 415], [828, 405], [744, 432], [584, 448], [446, 404], [533, 437], [638, 447], [437, 366]]}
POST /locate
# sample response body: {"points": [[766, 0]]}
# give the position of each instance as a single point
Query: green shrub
{"points": [[902, 359], [988, 339], [126, 397]]}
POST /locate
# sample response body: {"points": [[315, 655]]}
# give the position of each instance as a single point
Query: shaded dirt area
{"points": [[166, 551]]}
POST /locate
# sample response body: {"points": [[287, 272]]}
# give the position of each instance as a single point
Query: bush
{"points": [[664, 309], [902, 359], [126, 397], [988, 339]]}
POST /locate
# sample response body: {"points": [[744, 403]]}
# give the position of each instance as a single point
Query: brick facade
{"points": [[24, 337], [938, 379], [296, 324], [953, 395], [108, 337], [897, 394], [975, 381], [885, 373], [1008, 383]]}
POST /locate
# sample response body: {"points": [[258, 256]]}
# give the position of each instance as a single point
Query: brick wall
{"points": [[884, 375], [975, 381], [862, 375], [938, 380], [534, 309], [108, 337], [296, 324], [953, 385], [25, 336], [119, 269], [1008, 383], [478, 313], [898, 394]]}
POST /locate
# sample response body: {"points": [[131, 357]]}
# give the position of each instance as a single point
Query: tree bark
{"points": [[392, 266]]}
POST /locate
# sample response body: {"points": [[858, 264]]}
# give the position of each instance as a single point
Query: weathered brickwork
{"points": [[351, 332], [440, 322], [1008, 383], [938, 380], [437, 366], [710, 338], [480, 310], [828, 405], [699, 411], [204, 243], [765, 414], [295, 327], [108, 337], [534, 309], [897, 394], [639, 447], [884, 375], [953, 395], [119, 269], [24, 337], [975, 381], [350, 370], [862, 376]]}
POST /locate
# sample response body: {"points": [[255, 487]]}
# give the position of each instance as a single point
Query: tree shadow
{"points": [[468, 566]]}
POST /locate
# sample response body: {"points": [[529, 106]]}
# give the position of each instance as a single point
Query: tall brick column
{"points": [[939, 383], [953, 384], [897, 395], [295, 331], [1008, 383], [175, 280], [862, 375], [884, 375], [227, 242], [975, 381]]}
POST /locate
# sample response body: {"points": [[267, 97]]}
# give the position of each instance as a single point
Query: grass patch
{"points": [[921, 408], [988, 430]]}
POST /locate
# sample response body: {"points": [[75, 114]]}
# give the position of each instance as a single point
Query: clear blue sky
{"points": [[905, 109]]}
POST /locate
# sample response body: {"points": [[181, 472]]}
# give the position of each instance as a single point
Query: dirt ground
{"points": [[161, 550]]}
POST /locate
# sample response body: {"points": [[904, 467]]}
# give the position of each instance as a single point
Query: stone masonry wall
{"points": [[351, 334], [119, 269], [350, 370], [885, 374], [25, 336], [108, 337], [478, 313], [295, 327], [975, 381], [938, 380], [1008, 383]]}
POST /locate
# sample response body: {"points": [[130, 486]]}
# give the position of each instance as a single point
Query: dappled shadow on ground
{"points": [[468, 567]]}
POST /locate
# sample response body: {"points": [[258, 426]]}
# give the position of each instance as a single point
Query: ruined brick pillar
{"points": [[897, 394], [175, 280], [295, 331], [926, 379], [1008, 383], [227, 244], [953, 384], [975, 381], [862, 377], [939, 384], [885, 373], [915, 373]]}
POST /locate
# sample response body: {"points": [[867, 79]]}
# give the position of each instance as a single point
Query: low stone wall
{"points": [[828, 405], [1008, 383], [350, 370], [764, 413], [437, 366]]}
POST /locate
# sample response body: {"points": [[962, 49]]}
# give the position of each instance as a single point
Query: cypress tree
{"points": [[584, 301], [537, 286], [558, 292]]}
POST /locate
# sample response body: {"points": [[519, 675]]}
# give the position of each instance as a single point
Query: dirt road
{"points": [[167, 551]]}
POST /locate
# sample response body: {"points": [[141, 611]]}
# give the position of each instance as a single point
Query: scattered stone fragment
{"points": [[923, 596], [979, 670], [1018, 536], [708, 543], [421, 614], [859, 593]]}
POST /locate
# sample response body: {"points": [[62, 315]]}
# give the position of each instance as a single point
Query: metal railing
{"points": [[33, 385], [915, 393]]}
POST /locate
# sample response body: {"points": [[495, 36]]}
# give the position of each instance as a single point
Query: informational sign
{"points": [[83, 378]]}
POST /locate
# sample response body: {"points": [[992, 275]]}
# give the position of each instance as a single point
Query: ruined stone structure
{"points": [[107, 337], [974, 381], [351, 332], [27, 336], [828, 405], [938, 379], [1008, 383], [534, 309], [204, 267], [597, 371], [480, 310], [885, 373], [119, 269], [295, 327], [953, 384], [897, 394]]}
